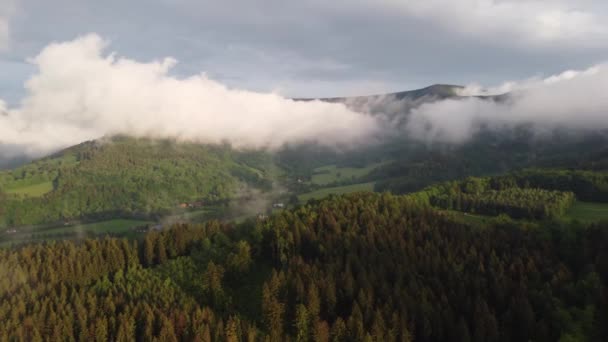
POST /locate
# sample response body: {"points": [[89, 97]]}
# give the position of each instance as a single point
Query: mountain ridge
{"points": [[438, 89]]}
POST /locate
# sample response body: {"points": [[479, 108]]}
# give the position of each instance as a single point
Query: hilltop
{"points": [[438, 91], [124, 176]]}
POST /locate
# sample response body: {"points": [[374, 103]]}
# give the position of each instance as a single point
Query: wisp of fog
{"points": [[80, 92], [575, 100]]}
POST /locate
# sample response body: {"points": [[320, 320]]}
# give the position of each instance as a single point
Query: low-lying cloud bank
{"points": [[79, 93], [575, 100]]}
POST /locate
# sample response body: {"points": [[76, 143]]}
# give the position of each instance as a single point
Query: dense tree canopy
{"points": [[359, 267], [128, 177]]}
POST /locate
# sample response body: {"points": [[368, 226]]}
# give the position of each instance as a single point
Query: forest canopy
{"points": [[367, 266]]}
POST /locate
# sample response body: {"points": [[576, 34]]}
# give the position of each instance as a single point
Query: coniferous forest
{"points": [[363, 267], [255, 171]]}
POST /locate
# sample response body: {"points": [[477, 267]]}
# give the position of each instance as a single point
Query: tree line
{"points": [[531, 194]]}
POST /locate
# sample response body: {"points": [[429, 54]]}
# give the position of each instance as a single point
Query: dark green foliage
{"points": [[363, 267], [586, 185], [518, 203], [488, 153], [530, 194]]}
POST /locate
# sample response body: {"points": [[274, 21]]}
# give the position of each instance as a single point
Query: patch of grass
{"points": [[122, 227], [588, 211], [117, 226], [582, 211], [318, 194], [196, 215], [331, 173], [467, 218], [34, 190]]}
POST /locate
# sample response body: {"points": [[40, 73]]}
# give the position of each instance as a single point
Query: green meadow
{"points": [[588, 211], [33, 190], [332, 173], [339, 190]]}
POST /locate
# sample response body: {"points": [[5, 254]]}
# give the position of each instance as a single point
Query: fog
{"points": [[82, 92], [573, 100]]}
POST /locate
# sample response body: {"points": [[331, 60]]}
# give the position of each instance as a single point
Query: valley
{"points": [[304, 171], [39, 204], [184, 240]]}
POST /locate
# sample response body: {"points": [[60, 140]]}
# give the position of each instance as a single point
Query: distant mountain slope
{"points": [[437, 91], [394, 104], [125, 176]]}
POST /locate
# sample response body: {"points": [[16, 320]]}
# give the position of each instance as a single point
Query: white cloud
{"points": [[530, 83], [79, 93], [573, 99], [531, 22], [323, 48]]}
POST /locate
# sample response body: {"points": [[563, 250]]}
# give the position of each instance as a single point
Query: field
{"points": [[588, 211], [331, 173], [318, 194], [123, 227], [582, 211], [197, 215], [115, 227], [34, 190], [471, 219]]}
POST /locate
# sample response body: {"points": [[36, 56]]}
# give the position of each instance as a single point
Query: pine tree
{"points": [[301, 324]]}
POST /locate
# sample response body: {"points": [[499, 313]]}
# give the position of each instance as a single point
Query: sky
{"points": [[75, 70], [319, 48]]}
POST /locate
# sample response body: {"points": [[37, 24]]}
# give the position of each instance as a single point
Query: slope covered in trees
{"points": [[365, 267], [585, 184], [128, 177], [533, 194], [136, 178], [516, 202], [488, 153]]}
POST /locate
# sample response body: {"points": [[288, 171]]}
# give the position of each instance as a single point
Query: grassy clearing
{"points": [[117, 226], [318, 194], [34, 190], [472, 219], [331, 173], [122, 227], [588, 211], [582, 211], [197, 215]]}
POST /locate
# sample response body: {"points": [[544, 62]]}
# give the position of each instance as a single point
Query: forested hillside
{"points": [[127, 177], [364, 267], [148, 178], [418, 165]]}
